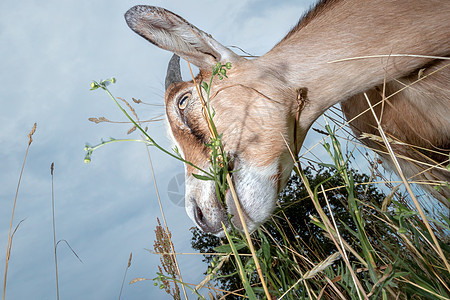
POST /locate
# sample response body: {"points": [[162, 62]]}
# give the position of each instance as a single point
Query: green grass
{"points": [[361, 244]]}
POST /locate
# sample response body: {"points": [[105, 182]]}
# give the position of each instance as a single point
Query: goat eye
{"points": [[183, 101]]}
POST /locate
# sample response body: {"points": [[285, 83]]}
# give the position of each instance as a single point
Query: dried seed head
{"points": [[129, 260], [95, 120], [137, 280], [129, 106], [131, 129], [33, 130]]}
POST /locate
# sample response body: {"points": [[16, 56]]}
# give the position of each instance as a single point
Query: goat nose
{"points": [[204, 223], [200, 219]]}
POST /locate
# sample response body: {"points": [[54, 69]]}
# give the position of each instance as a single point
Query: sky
{"points": [[50, 51]]}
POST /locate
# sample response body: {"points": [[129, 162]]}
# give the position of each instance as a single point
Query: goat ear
{"points": [[171, 32]]}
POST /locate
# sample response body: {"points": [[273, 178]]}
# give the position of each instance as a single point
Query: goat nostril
{"points": [[204, 223], [230, 164], [199, 216]]}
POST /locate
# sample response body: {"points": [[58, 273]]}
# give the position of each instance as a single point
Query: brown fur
{"points": [[418, 116]]}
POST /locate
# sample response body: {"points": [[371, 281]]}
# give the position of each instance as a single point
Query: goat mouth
{"points": [[220, 232], [233, 213], [227, 194]]}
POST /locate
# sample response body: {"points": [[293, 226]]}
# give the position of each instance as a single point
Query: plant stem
{"points": [[247, 235], [8, 246], [54, 234]]}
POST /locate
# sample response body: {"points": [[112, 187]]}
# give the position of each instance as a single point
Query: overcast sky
{"points": [[49, 53]]}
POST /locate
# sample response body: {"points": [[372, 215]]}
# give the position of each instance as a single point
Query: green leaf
{"points": [[328, 166], [265, 245], [205, 86], [202, 177], [248, 289], [227, 248]]}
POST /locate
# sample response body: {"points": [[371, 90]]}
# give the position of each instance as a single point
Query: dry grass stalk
{"points": [[334, 287], [391, 140], [170, 248], [247, 235], [125, 275], [210, 276], [8, 246], [52, 168], [408, 188], [195, 253], [105, 120], [422, 288], [163, 243], [316, 270], [326, 222], [388, 55]]}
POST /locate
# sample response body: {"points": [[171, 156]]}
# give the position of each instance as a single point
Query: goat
{"points": [[256, 107]]}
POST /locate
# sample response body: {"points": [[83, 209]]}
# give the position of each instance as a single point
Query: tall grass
{"points": [[373, 246], [11, 233], [366, 245]]}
